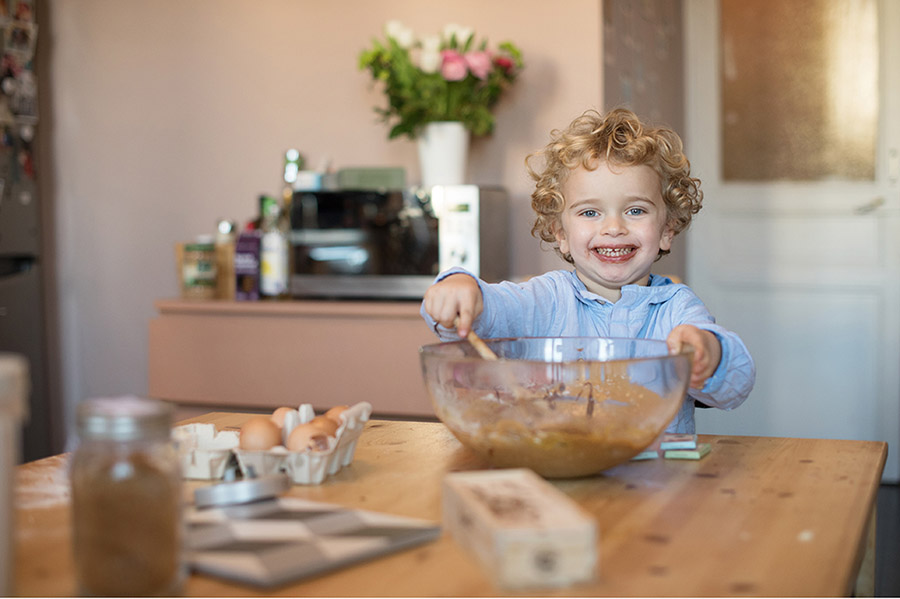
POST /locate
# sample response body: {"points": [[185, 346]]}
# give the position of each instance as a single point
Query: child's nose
{"points": [[613, 225]]}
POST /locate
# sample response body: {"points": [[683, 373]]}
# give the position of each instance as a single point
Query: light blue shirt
{"points": [[557, 304]]}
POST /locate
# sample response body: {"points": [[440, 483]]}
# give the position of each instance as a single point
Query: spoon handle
{"points": [[480, 346]]}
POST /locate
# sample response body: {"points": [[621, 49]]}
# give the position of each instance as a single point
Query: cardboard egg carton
{"points": [[309, 467], [203, 450]]}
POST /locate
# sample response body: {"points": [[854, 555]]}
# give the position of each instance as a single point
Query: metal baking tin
{"points": [[242, 491]]}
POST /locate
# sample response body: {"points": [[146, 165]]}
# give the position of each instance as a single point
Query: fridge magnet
{"points": [[9, 70], [20, 39], [23, 101], [22, 10]]}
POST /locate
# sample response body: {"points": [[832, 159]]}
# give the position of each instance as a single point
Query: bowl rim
{"points": [[428, 349]]}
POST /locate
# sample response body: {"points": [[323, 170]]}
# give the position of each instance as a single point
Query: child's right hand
{"points": [[457, 296]]}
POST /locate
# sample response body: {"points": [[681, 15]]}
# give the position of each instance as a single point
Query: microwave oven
{"points": [[374, 244]]}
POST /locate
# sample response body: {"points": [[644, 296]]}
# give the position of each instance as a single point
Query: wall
{"points": [[160, 117], [643, 69]]}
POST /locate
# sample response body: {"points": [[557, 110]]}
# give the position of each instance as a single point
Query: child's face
{"points": [[613, 225]]}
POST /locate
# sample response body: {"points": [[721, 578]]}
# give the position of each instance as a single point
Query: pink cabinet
{"points": [[228, 355]]}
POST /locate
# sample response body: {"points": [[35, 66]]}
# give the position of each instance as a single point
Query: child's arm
{"points": [[733, 372], [533, 308], [457, 296], [707, 351]]}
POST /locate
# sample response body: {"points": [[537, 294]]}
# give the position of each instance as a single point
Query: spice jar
{"points": [[199, 269], [126, 499]]}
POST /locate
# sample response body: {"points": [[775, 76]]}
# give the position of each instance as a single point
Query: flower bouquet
{"points": [[439, 78]]}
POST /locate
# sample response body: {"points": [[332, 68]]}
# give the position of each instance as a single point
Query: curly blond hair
{"points": [[620, 139]]}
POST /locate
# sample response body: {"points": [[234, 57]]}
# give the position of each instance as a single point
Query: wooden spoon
{"points": [[481, 347]]}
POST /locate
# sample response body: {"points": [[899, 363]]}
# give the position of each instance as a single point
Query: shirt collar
{"points": [[659, 290]]}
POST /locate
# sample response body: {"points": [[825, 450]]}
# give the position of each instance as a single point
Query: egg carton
{"points": [[204, 451], [308, 467]]}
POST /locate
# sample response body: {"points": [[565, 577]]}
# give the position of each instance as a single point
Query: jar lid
{"points": [[126, 418], [200, 246]]}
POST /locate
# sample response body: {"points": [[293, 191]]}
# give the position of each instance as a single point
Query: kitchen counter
{"points": [[214, 355], [757, 516]]}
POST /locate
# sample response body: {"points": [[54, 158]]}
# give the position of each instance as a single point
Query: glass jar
{"points": [[126, 499], [199, 269]]}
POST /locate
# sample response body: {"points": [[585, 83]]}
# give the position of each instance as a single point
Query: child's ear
{"points": [[665, 242], [561, 239]]}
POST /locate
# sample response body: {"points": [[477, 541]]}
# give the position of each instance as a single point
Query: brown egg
{"points": [[325, 424], [307, 436], [337, 413], [279, 414], [260, 433]]}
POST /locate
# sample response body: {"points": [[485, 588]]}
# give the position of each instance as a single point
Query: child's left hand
{"points": [[707, 351]]}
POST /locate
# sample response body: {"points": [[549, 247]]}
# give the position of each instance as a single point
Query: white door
{"points": [[808, 273]]}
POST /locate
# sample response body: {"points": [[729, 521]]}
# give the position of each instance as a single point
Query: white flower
{"points": [[462, 33], [400, 33], [430, 56], [431, 43], [430, 62], [392, 28]]}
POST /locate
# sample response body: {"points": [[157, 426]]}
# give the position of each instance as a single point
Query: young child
{"points": [[610, 196]]}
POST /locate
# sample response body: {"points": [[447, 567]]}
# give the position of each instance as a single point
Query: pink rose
{"points": [[505, 63], [453, 65], [479, 63]]}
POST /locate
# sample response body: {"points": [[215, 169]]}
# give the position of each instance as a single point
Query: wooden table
{"points": [[757, 516]]}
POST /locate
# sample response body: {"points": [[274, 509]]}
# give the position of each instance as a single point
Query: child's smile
{"points": [[613, 226], [616, 254]]}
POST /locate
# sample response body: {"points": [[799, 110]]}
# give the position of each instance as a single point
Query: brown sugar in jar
{"points": [[126, 500]]}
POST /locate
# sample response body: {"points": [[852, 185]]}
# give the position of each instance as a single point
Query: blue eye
{"points": [[590, 213], [635, 211]]}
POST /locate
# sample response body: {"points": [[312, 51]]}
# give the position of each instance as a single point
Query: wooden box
{"points": [[523, 530]]}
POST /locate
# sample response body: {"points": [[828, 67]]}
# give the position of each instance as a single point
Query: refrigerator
{"points": [[23, 327]]}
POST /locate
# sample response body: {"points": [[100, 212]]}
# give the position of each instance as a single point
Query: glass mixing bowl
{"points": [[562, 406]]}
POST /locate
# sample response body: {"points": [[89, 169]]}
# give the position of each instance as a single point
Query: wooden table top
{"points": [[757, 516]]}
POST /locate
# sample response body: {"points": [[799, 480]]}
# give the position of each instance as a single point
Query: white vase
{"points": [[443, 152]]}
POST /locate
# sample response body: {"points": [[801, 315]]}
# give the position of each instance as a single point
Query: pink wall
{"points": [[160, 117]]}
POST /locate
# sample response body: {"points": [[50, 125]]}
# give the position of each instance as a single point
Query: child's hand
{"points": [[707, 351], [457, 296]]}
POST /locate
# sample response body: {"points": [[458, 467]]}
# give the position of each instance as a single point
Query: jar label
{"points": [[198, 271]]}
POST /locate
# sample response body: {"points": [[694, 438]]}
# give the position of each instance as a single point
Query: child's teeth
{"points": [[613, 251]]}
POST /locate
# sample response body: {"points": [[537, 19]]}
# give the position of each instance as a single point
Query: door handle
{"points": [[870, 206]]}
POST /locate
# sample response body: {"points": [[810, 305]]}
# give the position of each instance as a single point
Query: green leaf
{"points": [[415, 98]]}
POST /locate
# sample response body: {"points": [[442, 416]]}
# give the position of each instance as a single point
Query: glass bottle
{"points": [[274, 253], [293, 164], [126, 499], [226, 238]]}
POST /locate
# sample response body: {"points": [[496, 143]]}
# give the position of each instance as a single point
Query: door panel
{"points": [[807, 272], [794, 396], [760, 244]]}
